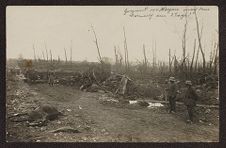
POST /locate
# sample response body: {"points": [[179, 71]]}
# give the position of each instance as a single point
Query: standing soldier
{"points": [[171, 95], [190, 100], [51, 79]]}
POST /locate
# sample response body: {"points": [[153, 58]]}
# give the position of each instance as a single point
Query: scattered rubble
{"points": [[38, 117]]}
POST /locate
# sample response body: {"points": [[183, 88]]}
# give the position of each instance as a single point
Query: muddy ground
{"points": [[103, 121]]}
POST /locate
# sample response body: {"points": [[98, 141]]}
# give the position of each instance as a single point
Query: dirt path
{"points": [[109, 122]]}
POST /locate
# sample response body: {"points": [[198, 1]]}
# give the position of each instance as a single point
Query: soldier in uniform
{"points": [[51, 79], [190, 101], [171, 95]]}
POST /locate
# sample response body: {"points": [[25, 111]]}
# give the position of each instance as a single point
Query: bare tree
{"points": [[34, 52], [145, 58], [170, 61], [213, 54], [184, 37], [193, 57], [46, 53], [126, 50], [116, 56], [175, 65], [216, 59], [43, 55], [97, 45], [71, 52], [200, 43], [51, 57], [65, 53], [120, 56], [154, 55], [183, 65]]}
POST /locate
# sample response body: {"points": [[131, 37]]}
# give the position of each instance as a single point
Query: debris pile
{"points": [[38, 117]]}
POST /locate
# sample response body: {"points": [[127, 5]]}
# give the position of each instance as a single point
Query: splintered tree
{"points": [[216, 59], [154, 55], [145, 63], [43, 55], [212, 54], [65, 53], [126, 51], [71, 52], [97, 45], [193, 57], [116, 56], [170, 61], [120, 57], [116, 59], [183, 65], [200, 43], [51, 57], [46, 53], [34, 52]]}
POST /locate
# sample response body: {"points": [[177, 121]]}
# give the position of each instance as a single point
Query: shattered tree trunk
{"points": [[175, 65], [34, 52], [193, 56], [145, 59], [120, 59], [200, 44], [183, 65], [51, 58], [216, 60], [154, 56], [126, 50], [43, 56], [65, 53], [71, 52], [122, 86], [212, 54], [116, 56], [46, 53], [97, 45], [170, 63]]}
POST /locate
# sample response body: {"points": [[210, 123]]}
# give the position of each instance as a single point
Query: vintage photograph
{"points": [[112, 74]]}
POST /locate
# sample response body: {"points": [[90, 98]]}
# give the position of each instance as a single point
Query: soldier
{"points": [[171, 95], [51, 79], [190, 100]]}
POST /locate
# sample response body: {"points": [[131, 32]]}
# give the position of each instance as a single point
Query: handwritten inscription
{"points": [[161, 12]]}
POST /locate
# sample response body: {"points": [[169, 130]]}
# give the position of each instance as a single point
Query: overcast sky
{"points": [[58, 26]]}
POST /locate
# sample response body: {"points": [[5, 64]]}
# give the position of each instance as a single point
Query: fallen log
{"points": [[181, 103]]}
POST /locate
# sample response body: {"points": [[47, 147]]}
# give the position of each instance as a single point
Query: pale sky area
{"points": [[57, 26]]}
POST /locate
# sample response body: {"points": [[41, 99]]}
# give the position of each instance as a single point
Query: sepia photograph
{"points": [[112, 74]]}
